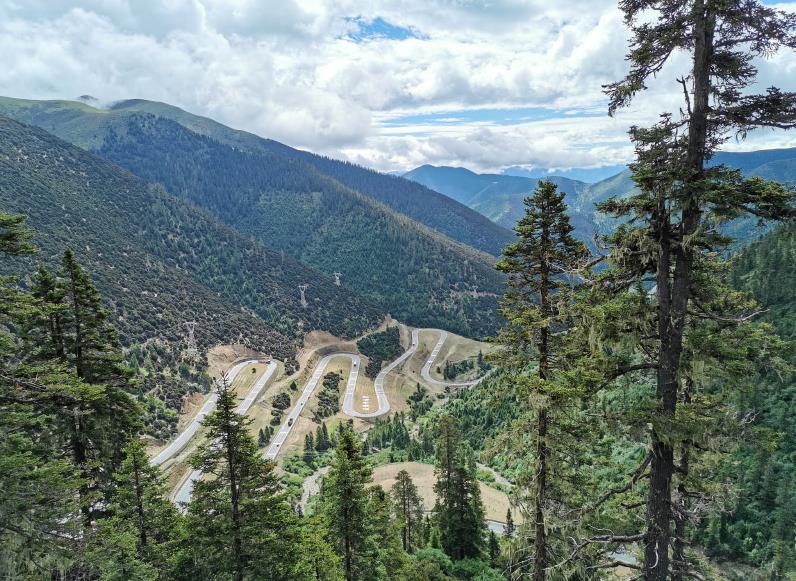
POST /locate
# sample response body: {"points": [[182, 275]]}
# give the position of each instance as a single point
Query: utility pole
{"points": [[302, 288], [337, 276], [191, 326]]}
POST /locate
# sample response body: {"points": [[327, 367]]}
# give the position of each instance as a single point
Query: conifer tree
{"points": [[140, 511], [540, 268], [682, 200], [309, 448], [71, 325], [241, 524], [39, 529], [509, 528], [460, 512], [345, 506], [408, 510]]}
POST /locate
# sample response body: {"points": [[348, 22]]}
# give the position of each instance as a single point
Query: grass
{"points": [[495, 502]]}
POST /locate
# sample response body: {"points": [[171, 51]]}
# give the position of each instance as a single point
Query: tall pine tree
{"points": [[541, 267], [240, 521], [673, 237]]}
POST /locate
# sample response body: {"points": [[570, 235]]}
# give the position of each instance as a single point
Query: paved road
{"points": [[425, 373], [190, 431], [384, 403], [307, 392], [183, 494]]}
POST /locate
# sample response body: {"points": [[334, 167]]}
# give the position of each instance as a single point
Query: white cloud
{"points": [[285, 70]]}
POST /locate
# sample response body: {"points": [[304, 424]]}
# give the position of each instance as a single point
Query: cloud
{"points": [[354, 78]]}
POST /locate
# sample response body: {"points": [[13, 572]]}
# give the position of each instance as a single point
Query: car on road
{"points": [[290, 422]]}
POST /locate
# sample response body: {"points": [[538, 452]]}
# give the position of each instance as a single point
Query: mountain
{"points": [[500, 197], [588, 175], [87, 126], [160, 261], [418, 275]]}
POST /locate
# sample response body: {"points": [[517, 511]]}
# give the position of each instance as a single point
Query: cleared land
{"points": [[496, 502]]}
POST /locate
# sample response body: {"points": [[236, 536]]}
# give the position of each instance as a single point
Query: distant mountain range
{"points": [[415, 253], [499, 197]]}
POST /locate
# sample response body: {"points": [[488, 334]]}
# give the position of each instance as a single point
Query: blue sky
{"points": [[391, 84]]}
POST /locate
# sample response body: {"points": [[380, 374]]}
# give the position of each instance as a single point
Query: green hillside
{"points": [[87, 127], [159, 261], [410, 271]]}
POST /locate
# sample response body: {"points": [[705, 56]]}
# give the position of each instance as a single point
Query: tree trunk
{"points": [[540, 538], [673, 307], [234, 493], [540, 533]]}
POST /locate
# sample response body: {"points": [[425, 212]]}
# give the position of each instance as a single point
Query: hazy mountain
{"points": [[159, 260], [500, 197], [290, 206], [588, 175]]}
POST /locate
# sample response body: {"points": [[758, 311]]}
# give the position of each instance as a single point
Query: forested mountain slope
{"points": [[161, 261], [417, 275], [758, 527], [87, 127]]}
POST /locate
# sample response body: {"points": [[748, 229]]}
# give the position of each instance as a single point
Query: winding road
{"points": [[190, 431], [306, 393], [183, 494], [348, 398], [425, 373]]}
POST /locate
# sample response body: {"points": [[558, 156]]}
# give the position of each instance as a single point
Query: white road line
{"points": [[183, 494], [306, 393], [378, 385], [425, 373], [182, 440]]}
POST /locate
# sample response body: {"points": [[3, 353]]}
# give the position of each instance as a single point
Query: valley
{"points": [[257, 380]]}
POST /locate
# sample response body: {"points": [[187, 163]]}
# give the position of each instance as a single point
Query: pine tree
{"points": [[71, 325], [241, 524], [408, 510], [509, 528], [390, 555], [494, 549], [139, 510], [673, 236], [345, 506], [309, 448], [540, 268], [460, 513]]}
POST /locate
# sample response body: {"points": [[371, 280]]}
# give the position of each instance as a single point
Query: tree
{"points": [[241, 524], [681, 201], [540, 268], [494, 549], [309, 448], [408, 510], [73, 323], [460, 513], [140, 510], [509, 528], [345, 506]]}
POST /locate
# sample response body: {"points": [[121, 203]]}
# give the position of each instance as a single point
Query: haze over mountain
{"points": [[282, 198], [500, 197]]}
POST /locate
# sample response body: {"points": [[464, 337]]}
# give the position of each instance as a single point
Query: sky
{"points": [[389, 84]]}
